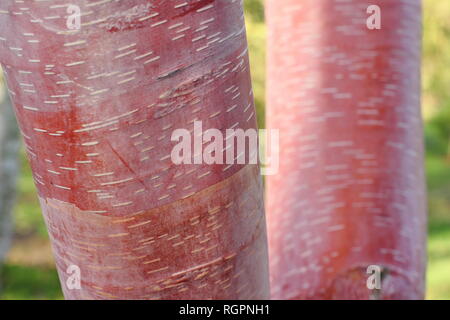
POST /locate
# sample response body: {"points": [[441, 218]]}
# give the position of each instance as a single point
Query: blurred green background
{"points": [[29, 272]]}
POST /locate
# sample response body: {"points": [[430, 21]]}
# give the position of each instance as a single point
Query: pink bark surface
{"points": [[97, 107], [350, 190]]}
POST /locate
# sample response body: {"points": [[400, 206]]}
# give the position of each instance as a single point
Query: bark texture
{"points": [[97, 107], [9, 168], [350, 191]]}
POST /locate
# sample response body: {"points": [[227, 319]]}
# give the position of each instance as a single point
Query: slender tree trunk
{"points": [[9, 168], [97, 107], [350, 191]]}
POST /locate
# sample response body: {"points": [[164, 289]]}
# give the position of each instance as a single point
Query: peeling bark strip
{"points": [[97, 107], [350, 191]]}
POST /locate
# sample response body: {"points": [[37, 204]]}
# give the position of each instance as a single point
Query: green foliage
{"points": [[34, 282], [435, 79], [437, 132], [438, 275], [27, 216], [254, 10], [436, 57], [257, 45], [435, 140]]}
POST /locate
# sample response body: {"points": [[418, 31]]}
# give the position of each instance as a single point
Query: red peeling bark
{"points": [[97, 108], [350, 190]]}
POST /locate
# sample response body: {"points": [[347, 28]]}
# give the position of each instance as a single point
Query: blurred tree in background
{"points": [[29, 272]]}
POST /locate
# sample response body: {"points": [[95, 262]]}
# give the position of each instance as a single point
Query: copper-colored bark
{"points": [[97, 108], [350, 191]]}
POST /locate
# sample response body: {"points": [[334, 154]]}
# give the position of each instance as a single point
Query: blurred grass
{"points": [[436, 49], [27, 220], [28, 277], [438, 274]]}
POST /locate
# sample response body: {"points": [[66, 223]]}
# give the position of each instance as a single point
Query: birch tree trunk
{"points": [[349, 197], [9, 168], [97, 107]]}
